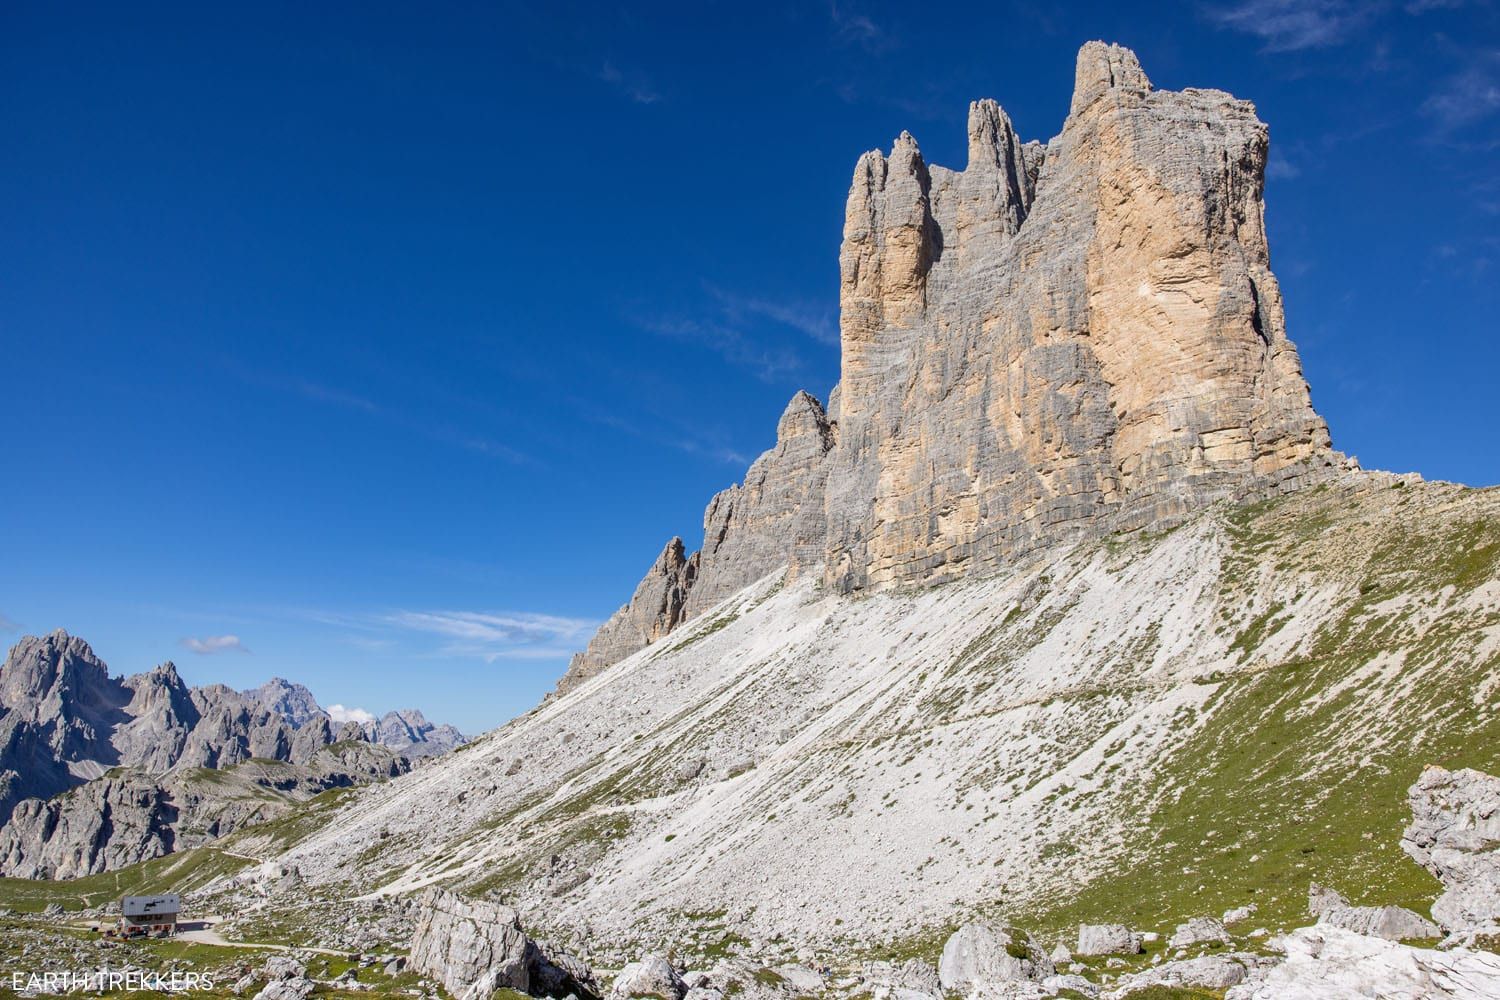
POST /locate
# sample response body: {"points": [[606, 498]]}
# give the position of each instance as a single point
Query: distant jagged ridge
{"points": [[98, 771], [1059, 341]]}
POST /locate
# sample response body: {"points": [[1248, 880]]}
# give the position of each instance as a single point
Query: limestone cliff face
{"points": [[655, 609], [773, 519], [1055, 341], [768, 522]]}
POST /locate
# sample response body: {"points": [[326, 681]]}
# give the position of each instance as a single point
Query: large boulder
{"points": [[286, 989], [1199, 930], [1455, 834], [473, 947], [800, 978], [1394, 923], [1328, 963], [1107, 939], [1078, 984], [1320, 898], [286, 979], [978, 955], [652, 976]]}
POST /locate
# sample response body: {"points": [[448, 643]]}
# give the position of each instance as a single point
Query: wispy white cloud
{"points": [[693, 439], [1468, 96], [853, 27], [632, 84], [766, 363], [340, 714], [211, 644], [369, 644], [321, 392], [818, 322], [497, 636], [1291, 25], [1416, 7], [1279, 167], [7, 625], [310, 389], [318, 392]]}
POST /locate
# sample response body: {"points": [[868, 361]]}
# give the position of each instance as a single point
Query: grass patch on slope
{"points": [[179, 872], [1300, 772]]}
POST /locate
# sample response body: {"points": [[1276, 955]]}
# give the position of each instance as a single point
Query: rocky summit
{"points": [[1058, 341]]}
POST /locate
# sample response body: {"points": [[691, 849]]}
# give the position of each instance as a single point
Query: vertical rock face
{"points": [[1100, 346], [749, 530], [1055, 341], [655, 609], [752, 529]]}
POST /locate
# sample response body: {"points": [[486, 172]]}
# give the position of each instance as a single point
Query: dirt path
{"points": [[207, 935]]}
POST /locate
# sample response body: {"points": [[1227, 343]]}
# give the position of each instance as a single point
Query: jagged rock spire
{"points": [[1102, 67]]}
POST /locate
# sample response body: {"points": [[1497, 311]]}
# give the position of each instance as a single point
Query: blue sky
{"points": [[382, 348]]}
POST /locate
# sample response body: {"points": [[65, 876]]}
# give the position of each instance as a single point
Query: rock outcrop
{"points": [[1455, 834], [1108, 939], [475, 947], [978, 956], [471, 946], [1321, 899], [1324, 962], [655, 609], [1394, 923], [1209, 972], [1199, 930], [1055, 342], [652, 976]]}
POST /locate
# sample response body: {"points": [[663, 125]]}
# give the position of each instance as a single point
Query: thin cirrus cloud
{"points": [[321, 392], [1279, 167], [1292, 25], [1467, 97], [695, 438], [818, 323], [496, 636], [209, 645], [766, 364], [853, 27], [632, 84]]}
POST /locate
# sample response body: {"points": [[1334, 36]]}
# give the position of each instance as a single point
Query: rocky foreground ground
{"points": [[439, 944]]}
